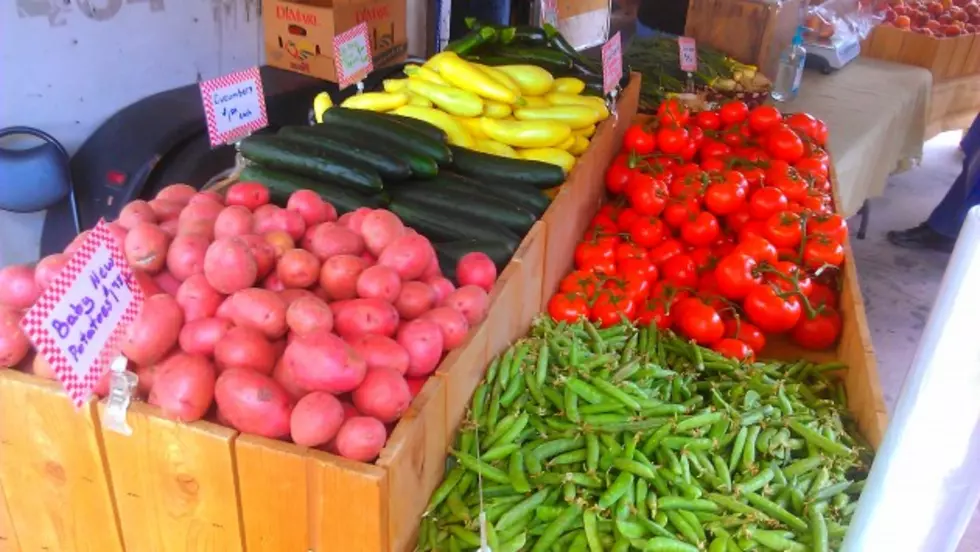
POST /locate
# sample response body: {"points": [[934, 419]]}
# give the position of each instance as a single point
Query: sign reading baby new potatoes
{"points": [[299, 36]]}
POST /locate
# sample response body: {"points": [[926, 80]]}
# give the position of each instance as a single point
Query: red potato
{"points": [[180, 193], [415, 385], [379, 228], [471, 301], [183, 387], [318, 291], [201, 336], [361, 438], [380, 351], [165, 210], [77, 242], [329, 240], [339, 274], [453, 324], [209, 196], [148, 284], [311, 207], [273, 283], [264, 254], [253, 403], [476, 269], [48, 269], [442, 287], [379, 282], [197, 298], [14, 345], [307, 315], [423, 341], [40, 367], [117, 232], [18, 290], [409, 255], [250, 195], [136, 212], [146, 377], [226, 309], [167, 282], [290, 296], [170, 227], [185, 257], [146, 246], [260, 309], [324, 362], [366, 316], [233, 220], [279, 346], [414, 300], [298, 268], [155, 330], [350, 411], [199, 218], [283, 374], [316, 419], [290, 222], [384, 394], [229, 265], [246, 349], [354, 219], [264, 219], [280, 241], [432, 271]]}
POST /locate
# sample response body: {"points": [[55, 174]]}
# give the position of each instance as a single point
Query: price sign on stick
{"points": [[77, 323], [688, 52], [549, 12], [352, 55], [612, 63], [234, 105]]}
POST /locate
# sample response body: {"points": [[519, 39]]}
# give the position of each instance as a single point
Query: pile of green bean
{"points": [[625, 438]]}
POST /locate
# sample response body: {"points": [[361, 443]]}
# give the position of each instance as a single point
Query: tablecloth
{"points": [[876, 113]]}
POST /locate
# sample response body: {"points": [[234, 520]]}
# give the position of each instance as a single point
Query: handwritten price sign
{"points": [[352, 55], [688, 54], [549, 12], [78, 322], [234, 105], [612, 63]]}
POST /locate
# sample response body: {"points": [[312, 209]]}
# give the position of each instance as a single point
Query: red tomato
{"points": [[700, 231], [755, 176], [642, 268], [758, 248], [672, 139], [724, 198], [783, 143], [601, 225], [703, 258], [598, 254], [804, 124], [667, 249], [639, 141], [793, 187], [646, 194], [765, 202], [617, 177], [610, 308], [708, 120], [581, 281], [733, 348], [678, 212], [568, 307], [787, 276], [736, 275], [813, 170], [632, 286], [733, 112], [752, 228], [735, 221], [784, 229], [770, 311], [654, 311], [763, 118], [680, 270], [673, 112], [822, 295], [699, 321], [833, 226], [648, 231], [629, 250], [820, 251], [747, 332], [818, 333]]}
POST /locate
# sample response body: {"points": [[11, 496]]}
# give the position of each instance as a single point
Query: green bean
{"points": [[500, 451], [678, 503], [748, 453], [819, 539], [521, 510], [776, 541], [818, 440], [446, 487], [775, 511], [558, 446], [590, 525], [666, 544], [465, 536], [584, 390], [803, 466], [699, 421], [571, 457], [831, 491], [615, 393], [632, 466], [756, 482], [690, 443], [822, 477], [556, 528], [619, 487], [724, 475], [516, 472], [493, 412], [682, 526], [739, 447], [484, 469]]}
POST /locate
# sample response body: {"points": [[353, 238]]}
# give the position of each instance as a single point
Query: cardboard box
{"points": [[299, 33]]}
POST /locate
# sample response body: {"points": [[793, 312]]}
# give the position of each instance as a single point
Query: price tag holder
{"points": [[612, 63], [549, 12], [352, 56], [688, 52], [234, 106], [79, 321]]}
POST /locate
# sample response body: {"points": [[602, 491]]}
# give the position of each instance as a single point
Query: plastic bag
{"points": [[841, 19]]}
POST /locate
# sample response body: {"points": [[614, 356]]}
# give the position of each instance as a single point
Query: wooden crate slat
{"points": [[531, 254], [415, 458], [272, 489], [348, 502], [8, 537], [461, 371], [174, 484], [503, 319], [52, 472]]}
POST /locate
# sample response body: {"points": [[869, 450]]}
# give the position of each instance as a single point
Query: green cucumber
{"points": [[282, 184], [522, 195], [315, 162], [493, 168], [449, 253], [471, 40], [477, 207], [420, 165], [390, 167], [439, 225], [428, 129], [386, 128]]}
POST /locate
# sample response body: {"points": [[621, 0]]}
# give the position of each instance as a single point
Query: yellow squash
{"points": [[414, 99], [575, 116], [581, 144], [465, 75], [425, 73], [434, 63], [568, 85], [376, 101], [557, 98], [473, 126], [586, 132], [533, 80], [554, 156], [394, 85], [496, 148], [536, 101], [567, 144], [450, 99], [321, 103], [526, 134], [499, 76], [496, 110], [458, 136]]}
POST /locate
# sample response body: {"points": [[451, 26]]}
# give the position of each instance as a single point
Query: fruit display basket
{"points": [[946, 57]]}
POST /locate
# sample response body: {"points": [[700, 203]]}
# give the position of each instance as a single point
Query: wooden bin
{"points": [[953, 105], [173, 487], [945, 58]]}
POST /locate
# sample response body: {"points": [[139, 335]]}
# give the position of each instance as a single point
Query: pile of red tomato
{"points": [[721, 227]]}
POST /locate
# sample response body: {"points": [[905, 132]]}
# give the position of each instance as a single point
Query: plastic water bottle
{"points": [[790, 72]]}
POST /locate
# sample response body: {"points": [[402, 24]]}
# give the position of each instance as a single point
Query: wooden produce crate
{"points": [[173, 487], [953, 105], [751, 31], [945, 58]]}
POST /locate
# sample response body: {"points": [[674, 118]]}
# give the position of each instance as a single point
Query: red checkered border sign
{"points": [[343, 81], [209, 86], [36, 322]]}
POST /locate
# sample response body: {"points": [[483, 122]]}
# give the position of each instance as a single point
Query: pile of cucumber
{"points": [[461, 200]]}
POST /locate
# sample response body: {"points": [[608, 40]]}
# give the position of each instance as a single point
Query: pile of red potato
{"points": [[296, 323]]}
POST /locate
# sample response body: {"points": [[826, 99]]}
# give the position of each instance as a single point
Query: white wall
{"points": [[67, 65]]}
